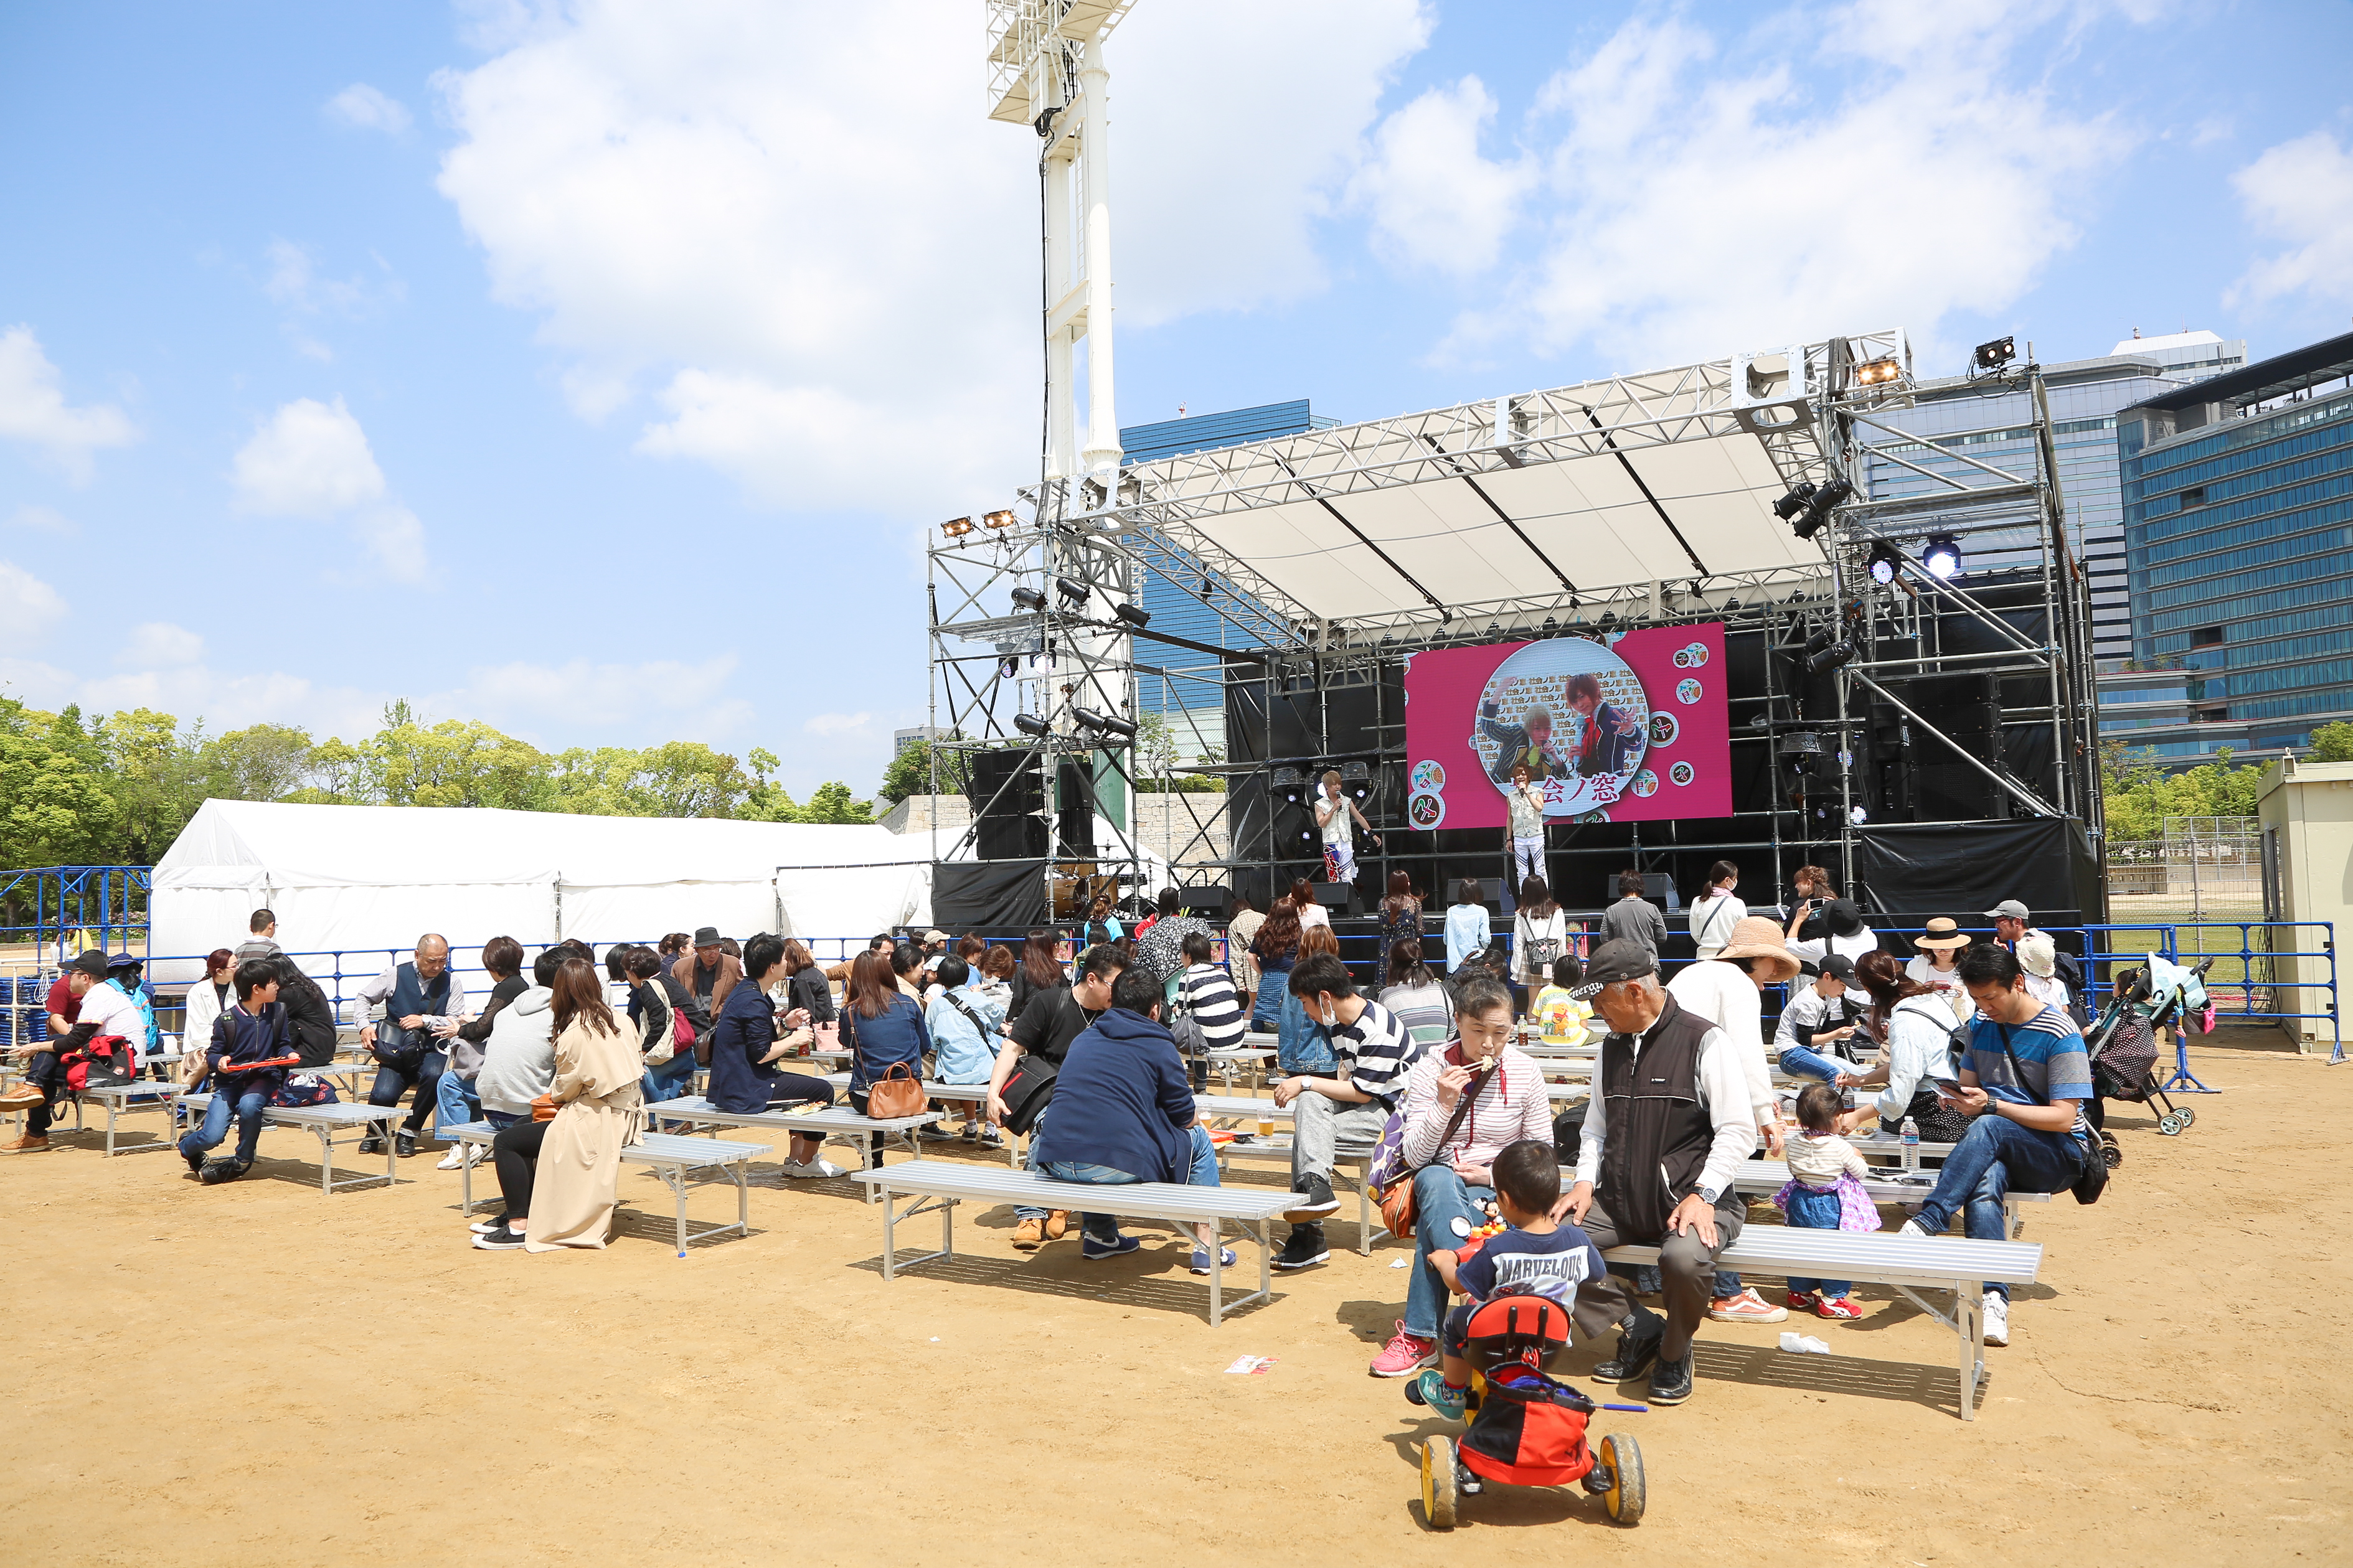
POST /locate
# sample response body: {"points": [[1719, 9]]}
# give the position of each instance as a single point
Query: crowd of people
{"points": [[1096, 1054]]}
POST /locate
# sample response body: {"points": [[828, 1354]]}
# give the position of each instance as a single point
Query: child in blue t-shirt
{"points": [[963, 1028], [1538, 1256]]}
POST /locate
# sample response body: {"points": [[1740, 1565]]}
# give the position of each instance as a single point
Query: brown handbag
{"points": [[543, 1108], [896, 1093], [1396, 1199]]}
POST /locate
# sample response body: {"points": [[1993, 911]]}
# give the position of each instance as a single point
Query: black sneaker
{"points": [[195, 1162], [1303, 1249], [1671, 1381], [220, 1170], [372, 1144], [1636, 1352], [500, 1240], [407, 1142], [1315, 1201]]}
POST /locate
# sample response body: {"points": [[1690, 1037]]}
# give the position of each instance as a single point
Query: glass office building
{"points": [[1977, 418], [2238, 510]]}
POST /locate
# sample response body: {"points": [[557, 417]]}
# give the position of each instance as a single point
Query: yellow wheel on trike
{"points": [[1438, 1482], [1625, 1498]]}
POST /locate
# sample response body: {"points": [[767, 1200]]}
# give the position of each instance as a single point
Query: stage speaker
{"points": [[1212, 901], [1074, 809], [1006, 784], [1340, 896], [1003, 837]]}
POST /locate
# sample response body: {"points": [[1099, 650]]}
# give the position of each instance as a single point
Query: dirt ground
{"points": [[261, 1375]]}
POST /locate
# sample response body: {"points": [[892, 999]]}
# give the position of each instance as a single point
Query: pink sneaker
{"points": [[1747, 1307], [1404, 1355]]}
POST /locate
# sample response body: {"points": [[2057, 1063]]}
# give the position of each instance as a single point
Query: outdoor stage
{"points": [[1783, 678]]}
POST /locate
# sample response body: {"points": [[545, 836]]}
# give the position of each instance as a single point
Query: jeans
{"points": [[674, 1079], [1273, 988], [1803, 1061], [1030, 1162], [1299, 1045], [1440, 1198], [1818, 1211], [247, 1107], [1994, 1156], [455, 1102], [1104, 1228], [390, 1083], [1319, 1125]]}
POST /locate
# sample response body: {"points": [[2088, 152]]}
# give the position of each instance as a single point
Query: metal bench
{"points": [[1762, 1178], [1277, 1151], [832, 1123], [323, 1122], [940, 1185], [669, 1157], [1910, 1263]]}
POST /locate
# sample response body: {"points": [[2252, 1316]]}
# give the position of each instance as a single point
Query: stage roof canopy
{"points": [[1576, 495]]}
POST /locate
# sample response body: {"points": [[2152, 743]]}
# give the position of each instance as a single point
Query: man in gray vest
{"points": [[1669, 1125], [417, 997]]}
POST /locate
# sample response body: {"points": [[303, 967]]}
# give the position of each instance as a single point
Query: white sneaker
{"points": [[1912, 1228], [816, 1170], [455, 1160], [1996, 1318]]}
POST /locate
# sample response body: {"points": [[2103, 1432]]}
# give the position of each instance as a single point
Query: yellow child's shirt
{"points": [[1561, 1017]]}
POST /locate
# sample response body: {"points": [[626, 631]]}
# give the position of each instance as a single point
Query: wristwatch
{"points": [[1708, 1193]]}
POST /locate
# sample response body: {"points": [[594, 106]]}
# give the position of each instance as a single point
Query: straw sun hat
{"points": [[1757, 937], [1941, 933]]}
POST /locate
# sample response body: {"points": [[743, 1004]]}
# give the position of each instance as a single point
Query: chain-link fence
{"points": [[2200, 867]]}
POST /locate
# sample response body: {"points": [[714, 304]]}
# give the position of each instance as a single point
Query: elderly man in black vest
{"points": [[1669, 1125], [417, 997]]}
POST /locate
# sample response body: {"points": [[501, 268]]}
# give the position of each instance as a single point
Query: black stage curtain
{"points": [[970, 894], [1962, 869]]}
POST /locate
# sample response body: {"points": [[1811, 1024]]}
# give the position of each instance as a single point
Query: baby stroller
{"points": [[2123, 1042], [1525, 1429]]}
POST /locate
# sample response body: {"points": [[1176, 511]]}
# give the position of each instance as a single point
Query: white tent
{"points": [[356, 878]]}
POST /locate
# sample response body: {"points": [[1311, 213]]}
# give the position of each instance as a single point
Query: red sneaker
{"points": [[1802, 1300], [1838, 1309], [1405, 1355]]}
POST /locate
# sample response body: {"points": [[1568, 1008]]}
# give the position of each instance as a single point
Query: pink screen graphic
{"points": [[1636, 731]]}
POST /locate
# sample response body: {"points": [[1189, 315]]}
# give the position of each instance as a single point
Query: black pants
{"points": [[516, 1152], [43, 1074], [392, 1081]]}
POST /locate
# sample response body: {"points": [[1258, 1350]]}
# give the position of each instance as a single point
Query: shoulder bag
{"points": [[1397, 1194], [2094, 1179], [896, 1093]]}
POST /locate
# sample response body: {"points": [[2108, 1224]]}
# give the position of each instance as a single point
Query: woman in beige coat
{"points": [[559, 1176]]}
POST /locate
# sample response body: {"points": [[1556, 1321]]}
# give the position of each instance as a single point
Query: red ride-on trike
{"points": [[1525, 1430]]}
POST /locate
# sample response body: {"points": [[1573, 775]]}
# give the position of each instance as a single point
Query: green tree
{"points": [[260, 761], [55, 807], [910, 772], [832, 802], [155, 776], [2332, 743]]}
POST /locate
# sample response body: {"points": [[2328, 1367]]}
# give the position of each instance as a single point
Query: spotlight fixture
{"points": [[956, 526], [1608, 619], [1122, 728], [1494, 628], [1942, 556], [999, 520], [1995, 354], [1822, 661], [1858, 815], [1877, 371], [1009, 667], [1818, 506], [1132, 615], [1793, 502], [1550, 626], [1029, 599], [1821, 639], [1885, 560], [1730, 606], [1075, 591], [1761, 721], [1030, 724]]}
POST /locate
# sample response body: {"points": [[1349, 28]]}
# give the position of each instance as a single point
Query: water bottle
{"points": [[1910, 1144]]}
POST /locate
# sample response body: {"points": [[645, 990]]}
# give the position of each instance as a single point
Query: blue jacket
{"points": [[1122, 1100], [882, 1044], [240, 1035], [744, 1031]]}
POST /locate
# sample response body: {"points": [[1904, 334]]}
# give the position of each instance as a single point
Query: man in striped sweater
{"points": [[1372, 1050], [1464, 1103]]}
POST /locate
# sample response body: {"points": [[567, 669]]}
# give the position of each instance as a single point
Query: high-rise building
{"points": [[1978, 418], [2238, 514], [1193, 703], [921, 734]]}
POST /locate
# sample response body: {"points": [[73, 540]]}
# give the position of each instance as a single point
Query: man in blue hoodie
{"points": [[1124, 1113], [251, 1044]]}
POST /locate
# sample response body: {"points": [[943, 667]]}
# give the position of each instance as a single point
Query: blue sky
{"points": [[597, 371]]}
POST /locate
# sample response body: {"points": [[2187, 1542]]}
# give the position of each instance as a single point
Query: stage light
{"points": [[1029, 599], [1885, 560], [1075, 591], [1494, 628], [1858, 815], [1942, 557], [1762, 722], [1608, 618], [1730, 606], [1106, 723], [1133, 615], [1818, 506], [999, 520], [956, 526], [1820, 640], [1877, 371], [1995, 354], [1794, 503], [1824, 660], [1030, 724], [1008, 667], [1550, 626]]}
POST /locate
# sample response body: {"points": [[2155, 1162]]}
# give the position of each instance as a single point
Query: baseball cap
{"points": [[1611, 963], [90, 963], [1839, 967], [2008, 910], [932, 936]]}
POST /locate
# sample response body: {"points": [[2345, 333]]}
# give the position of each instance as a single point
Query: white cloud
{"points": [[683, 701], [830, 724], [33, 408], [828, 285], [1435, 201], [44, 519], [1883, 164], [2300, 192], [308, 459], [368, 108], [154, 644], [30, 608]]}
